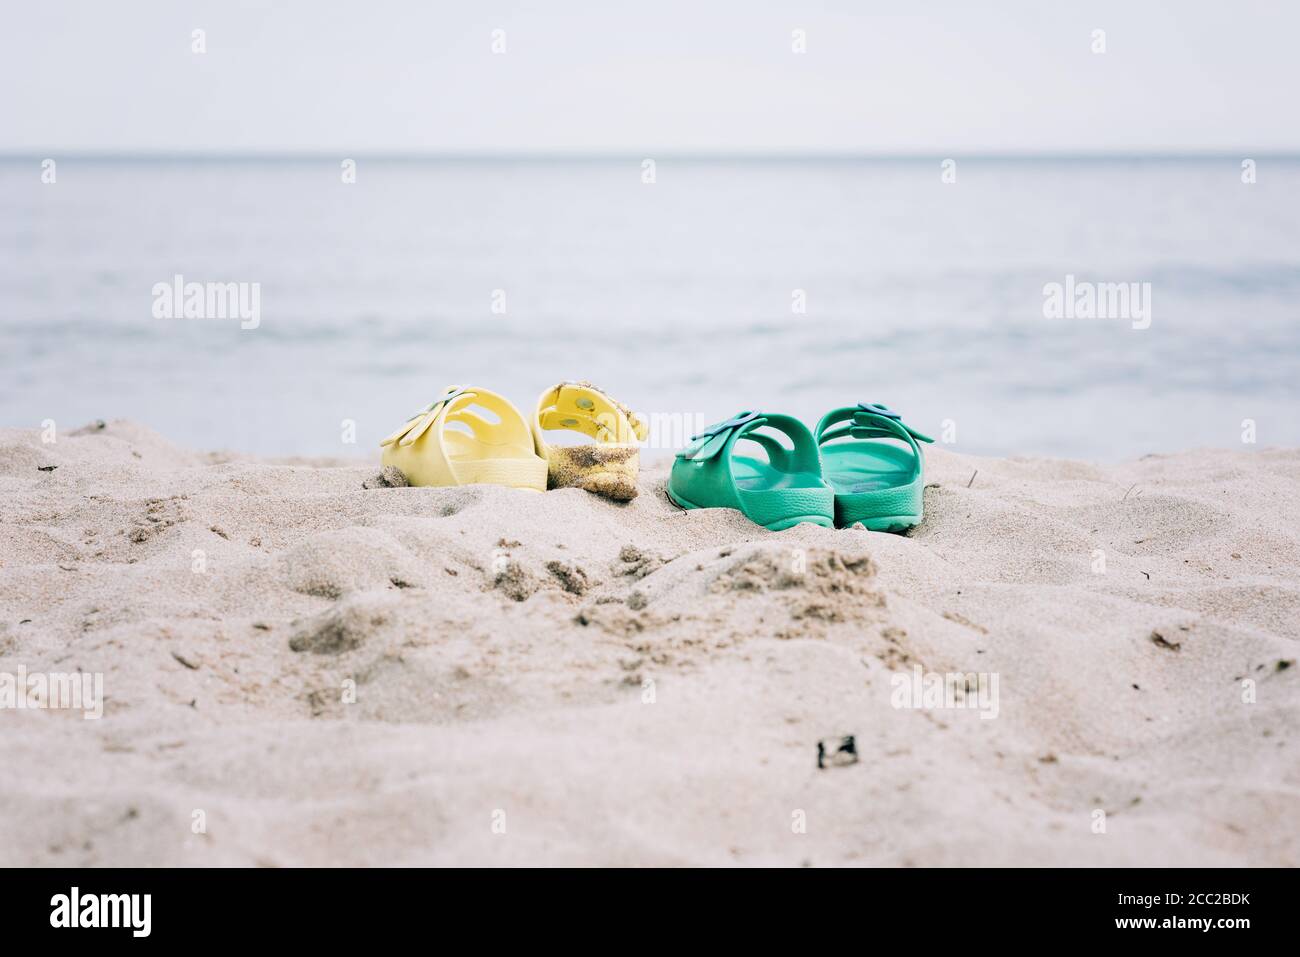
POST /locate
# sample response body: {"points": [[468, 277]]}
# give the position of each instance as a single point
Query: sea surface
{"points": [[723, 285]]}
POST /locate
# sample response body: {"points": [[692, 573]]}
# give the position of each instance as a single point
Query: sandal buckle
{"points": [[734, 422], [878, 408]]}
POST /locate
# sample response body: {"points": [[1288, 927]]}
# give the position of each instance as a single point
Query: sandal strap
{"points": [[721, 436], [707, 444], [867, 421], [419, 423], [456, 405], [581, 407]]}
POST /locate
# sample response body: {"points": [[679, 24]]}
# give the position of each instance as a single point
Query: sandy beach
{"points": [[297, 670]]}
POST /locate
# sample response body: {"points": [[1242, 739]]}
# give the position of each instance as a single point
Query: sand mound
{"points": [[327, 673], [331, 564]]}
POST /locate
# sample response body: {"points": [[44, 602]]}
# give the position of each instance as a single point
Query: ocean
{"points": [[690, 289]]}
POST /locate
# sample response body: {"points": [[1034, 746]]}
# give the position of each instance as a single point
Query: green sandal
{"points": [[778, 493], [879, 484]]}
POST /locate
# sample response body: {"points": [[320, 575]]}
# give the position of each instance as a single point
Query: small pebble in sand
{"points": [[185, 661], [1160, 641], [837, 752]]}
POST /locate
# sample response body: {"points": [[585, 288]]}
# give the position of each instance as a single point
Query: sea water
{"points": [[710, 287]]}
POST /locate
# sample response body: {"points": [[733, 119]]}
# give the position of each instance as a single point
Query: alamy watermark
{"points": [[672, 430], [179, 299], [921, 690], [1098, 300], [57, 691], [130, 911]]}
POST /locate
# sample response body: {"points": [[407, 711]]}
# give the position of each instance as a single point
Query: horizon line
{"points": [[596, 156]]}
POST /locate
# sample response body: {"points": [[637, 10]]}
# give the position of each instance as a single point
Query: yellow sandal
{"points": [[608, 468], [451, 442]]}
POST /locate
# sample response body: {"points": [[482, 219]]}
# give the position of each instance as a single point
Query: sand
{"points": [[298, 670]]}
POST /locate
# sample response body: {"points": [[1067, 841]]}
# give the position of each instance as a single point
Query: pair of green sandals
{"points": [[861, 465]]}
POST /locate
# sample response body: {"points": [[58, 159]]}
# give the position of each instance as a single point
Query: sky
{"points": [[615, 77]]}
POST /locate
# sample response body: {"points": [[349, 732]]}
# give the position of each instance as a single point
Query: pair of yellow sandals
{"points": [[470, 435]]}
